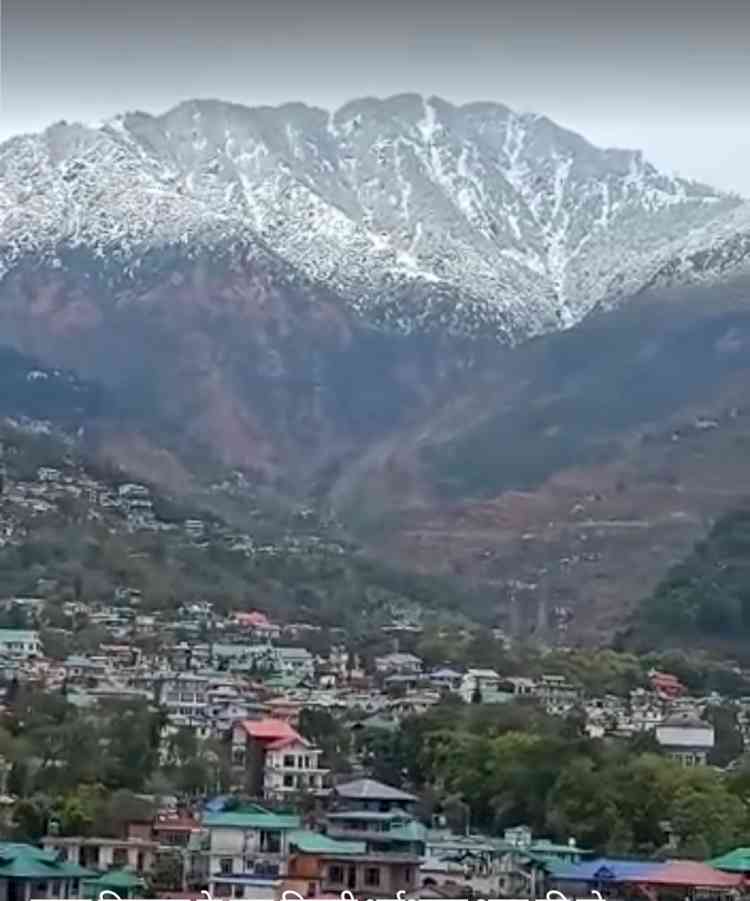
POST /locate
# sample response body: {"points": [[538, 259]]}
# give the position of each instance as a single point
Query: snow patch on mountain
{"points": [[416, 211]]}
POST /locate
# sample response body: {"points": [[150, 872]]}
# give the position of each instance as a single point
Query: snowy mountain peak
{"points": [[416, 211]]}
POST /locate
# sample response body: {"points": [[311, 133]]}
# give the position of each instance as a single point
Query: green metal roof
{"points": [[116, 879], [546, 847], [736, 861], [236, 819], [317, 843], [18, 635], [19, 861], [411, 832]]}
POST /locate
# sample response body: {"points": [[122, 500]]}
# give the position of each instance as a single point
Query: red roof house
{"points": [[666, 684], [269, 730], [252, 620], [692, 873]]}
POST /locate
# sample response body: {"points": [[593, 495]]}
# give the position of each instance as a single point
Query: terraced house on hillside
{"points": [[319, 865], [270, 759], [379, 816], [247, 850], [27, 872]]}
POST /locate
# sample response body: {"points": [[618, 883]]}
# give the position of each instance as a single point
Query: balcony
{"points": [[280, 768]]}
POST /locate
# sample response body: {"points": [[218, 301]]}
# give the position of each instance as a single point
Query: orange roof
{"points": [[270, 730], [693, 873], [285, 742], [253, 618]]}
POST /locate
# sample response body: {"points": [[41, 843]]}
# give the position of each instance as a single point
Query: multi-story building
{"points": [[686, 739], [556, 694], [292, 766], [378, 815], [369, 794], [184, 694], [296, 662], [99, 853], [29, 872], [319, 866], [446, 679], [272, 760], [666, 685], [398, 663], [247, 850], [21, 643], [486, 680]]}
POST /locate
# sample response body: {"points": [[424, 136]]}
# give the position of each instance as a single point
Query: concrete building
{"points": [[686, 739], [247, 851], [22, 643]]}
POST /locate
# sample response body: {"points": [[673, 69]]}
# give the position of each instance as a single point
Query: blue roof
{"points": [[607, 869], [216, 805]]}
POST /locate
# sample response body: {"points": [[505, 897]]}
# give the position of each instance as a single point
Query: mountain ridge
{"points": [[419, 214], [442, 323]]}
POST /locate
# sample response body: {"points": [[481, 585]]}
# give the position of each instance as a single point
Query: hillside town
{"points": [[276, 759], [251, 674], [288, 819]]}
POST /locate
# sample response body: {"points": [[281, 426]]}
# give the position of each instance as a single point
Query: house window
{"points": [[238, 891], [407, 874], [270, 842], [225, 866], [336, 874], [266, 869], [372, 876], [288, 780], [289, 760], [120, 857]]}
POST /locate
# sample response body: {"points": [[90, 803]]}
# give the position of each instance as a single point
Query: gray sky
{"points": [[669, 76]]}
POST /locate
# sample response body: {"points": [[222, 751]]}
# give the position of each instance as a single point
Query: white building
{"points": [[487, 680], [195, 528], [245, 846], [406, 664], [292, 765], [131, 490], [48, 474], [686, 739], [296, 661], [21, 643], [185, 694]]}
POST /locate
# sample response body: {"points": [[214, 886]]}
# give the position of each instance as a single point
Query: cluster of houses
{"points": [[129, 506], [365, 838], [256, 672]]}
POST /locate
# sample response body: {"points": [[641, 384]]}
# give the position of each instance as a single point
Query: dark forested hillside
{"points": [[708, 594]]}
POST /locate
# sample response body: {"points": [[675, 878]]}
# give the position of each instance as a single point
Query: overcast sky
{"points": [[669, 76]]}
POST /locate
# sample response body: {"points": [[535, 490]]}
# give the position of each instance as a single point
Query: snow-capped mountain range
{"points": [[416, 212]]}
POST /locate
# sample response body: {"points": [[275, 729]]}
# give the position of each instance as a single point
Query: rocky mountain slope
{"points": [[467, 330], [567, 484], [471, 219]]}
